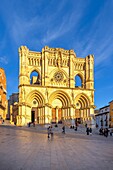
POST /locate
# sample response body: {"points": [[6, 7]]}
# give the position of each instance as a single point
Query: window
{"points": [[34, 78], [78, 81], [34, 102]]}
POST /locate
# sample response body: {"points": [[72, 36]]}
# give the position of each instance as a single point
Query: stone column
{"points": [[71, 69], [43, 114], [46, 55], [39, 115], [50, 115], [72, 112]]}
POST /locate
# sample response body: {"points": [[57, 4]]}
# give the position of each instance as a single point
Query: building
{"points": [[48, 90], [111, 114], [13, 107], [3, 93], [102, 117]]}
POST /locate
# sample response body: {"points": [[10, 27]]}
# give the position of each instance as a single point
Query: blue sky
{"points": [[85, 26]]}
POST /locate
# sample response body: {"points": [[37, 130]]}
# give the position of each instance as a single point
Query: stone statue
{"points": [[59, 60], [23, 93]]}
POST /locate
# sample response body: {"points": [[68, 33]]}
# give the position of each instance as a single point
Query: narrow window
{"points": [[34, 78], [78, 81]]}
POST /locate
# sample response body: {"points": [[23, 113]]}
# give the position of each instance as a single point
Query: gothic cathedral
{"points": [[48, 90]]}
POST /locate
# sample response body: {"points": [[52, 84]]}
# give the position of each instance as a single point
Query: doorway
{"points": [[32, 116], [53, 115]]}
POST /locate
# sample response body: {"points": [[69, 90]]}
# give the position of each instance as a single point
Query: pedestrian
{"points": [[33, 124], [106, 132], [28, 124], [101, 131], [86, 125], [76, 128], [111, 131], [49, 130], [3, 121], [90, 131], [87, 130], [63, 129]]}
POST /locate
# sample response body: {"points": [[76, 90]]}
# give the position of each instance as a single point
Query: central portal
{"points": [[57, 111], [56, 115]]}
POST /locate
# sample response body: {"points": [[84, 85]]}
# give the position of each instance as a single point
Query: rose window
{"points": [[58, 76]]}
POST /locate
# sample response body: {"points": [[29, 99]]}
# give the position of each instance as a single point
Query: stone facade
{"points": [[52, 95], [102, 117], [3, 99], [13, 107], [111, 113]]}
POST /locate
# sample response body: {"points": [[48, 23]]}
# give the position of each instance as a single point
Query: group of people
{"points": [[104, 132], [50, 130], [89, 131]]}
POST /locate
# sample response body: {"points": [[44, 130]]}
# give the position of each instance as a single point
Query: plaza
{"points": [[24, 148]]}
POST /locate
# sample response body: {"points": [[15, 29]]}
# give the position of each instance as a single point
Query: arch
{"points": [[37, 96], [56, 102], [79, 79], [62, 96], [83, 99], [34, 77], [35, 69]]}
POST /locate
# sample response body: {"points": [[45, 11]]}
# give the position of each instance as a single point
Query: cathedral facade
{"points": [[47, 86]]}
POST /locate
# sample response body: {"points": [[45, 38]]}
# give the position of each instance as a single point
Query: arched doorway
{"points": [[60, 103], [82, 111], [36, 111], [56, 111]]}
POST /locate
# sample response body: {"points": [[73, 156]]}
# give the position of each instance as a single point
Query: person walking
{"points": [[33, 124], [106, 132], [75, 128], [63, 129], [86, 125], [90, 131], [50, 132], [87, 130]]}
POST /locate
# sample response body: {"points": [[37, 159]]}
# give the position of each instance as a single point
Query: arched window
{"points": [[34, 78], [78, 81]]}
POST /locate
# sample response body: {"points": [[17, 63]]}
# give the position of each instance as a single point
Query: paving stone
{"points": [[23, 148]]}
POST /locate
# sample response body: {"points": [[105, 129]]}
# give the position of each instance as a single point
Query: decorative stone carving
{"points": [[59, 60], [58, 76]]}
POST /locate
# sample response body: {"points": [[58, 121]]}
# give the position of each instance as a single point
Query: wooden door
{"points": [[54, 115], [59, 114], [77, 113]]}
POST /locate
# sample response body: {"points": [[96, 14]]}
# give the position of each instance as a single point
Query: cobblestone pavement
{"points": [[23, 148]]}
